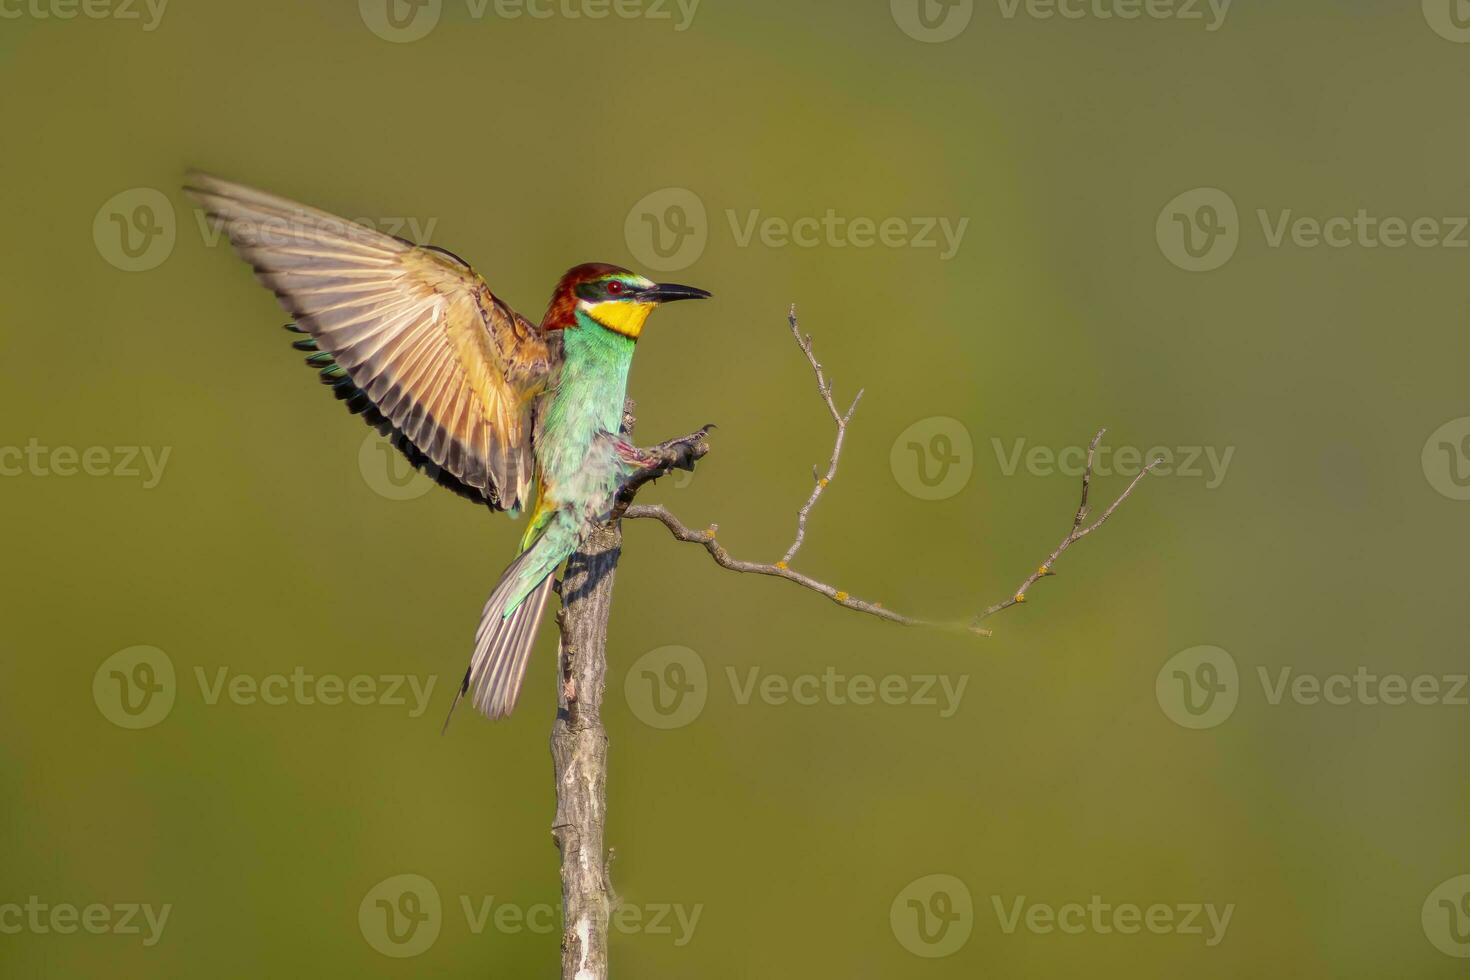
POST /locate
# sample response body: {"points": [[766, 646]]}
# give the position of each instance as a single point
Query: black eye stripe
{"points": [[604, 289]]}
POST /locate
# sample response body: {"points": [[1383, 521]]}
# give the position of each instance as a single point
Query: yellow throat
{"points": [[625, 318]]}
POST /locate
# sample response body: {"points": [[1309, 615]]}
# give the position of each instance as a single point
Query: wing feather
{"points": [[418, 333]]}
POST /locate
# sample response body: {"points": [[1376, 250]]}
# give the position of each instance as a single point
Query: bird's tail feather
{"points": [[504, 639]]}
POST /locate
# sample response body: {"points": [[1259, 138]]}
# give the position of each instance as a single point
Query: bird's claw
{"points": [[682, 453]]}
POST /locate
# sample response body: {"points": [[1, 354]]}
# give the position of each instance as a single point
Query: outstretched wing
{"points": [[415, 331]]}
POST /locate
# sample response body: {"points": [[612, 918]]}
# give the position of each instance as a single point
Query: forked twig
{"points": [[1078, 531], [683, 453], [824, 388]]}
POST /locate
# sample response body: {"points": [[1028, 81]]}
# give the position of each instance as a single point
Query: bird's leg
{"points": [[637, 458], [674, 454], [655, 461]]}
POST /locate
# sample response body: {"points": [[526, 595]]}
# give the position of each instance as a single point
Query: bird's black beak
{"points": [[668, 292]]}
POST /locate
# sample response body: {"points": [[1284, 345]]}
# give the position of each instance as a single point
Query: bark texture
{"points": [[579, 753]]}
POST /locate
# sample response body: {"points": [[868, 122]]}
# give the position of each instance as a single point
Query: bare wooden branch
{"points": [[824, 388], [724, 559], [781, 569], [579, 754]]}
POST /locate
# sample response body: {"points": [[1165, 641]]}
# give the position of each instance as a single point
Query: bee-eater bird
{"points": [[498, 409]]}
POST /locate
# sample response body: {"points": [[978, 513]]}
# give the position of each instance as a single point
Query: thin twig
{"points": [[683, 453], [724, 559], [824, 388], [1077, 532]]}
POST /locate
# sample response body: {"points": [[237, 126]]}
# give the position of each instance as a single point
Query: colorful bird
{"points": [[493, 406]]}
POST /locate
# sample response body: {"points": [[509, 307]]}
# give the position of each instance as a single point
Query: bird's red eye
{"points": [[614, 287]]}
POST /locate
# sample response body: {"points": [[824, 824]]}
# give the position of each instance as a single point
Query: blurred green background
{"points": [[271, 541]]}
